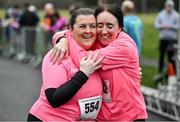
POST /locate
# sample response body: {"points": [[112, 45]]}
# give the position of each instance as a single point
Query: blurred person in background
{"points": [[6, 21], [52, 22], [28, 21], [168, 23], [132, 23], [11, 25]]}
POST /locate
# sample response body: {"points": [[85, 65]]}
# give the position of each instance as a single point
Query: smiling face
{"points": [[107, 28], [84, 31]]}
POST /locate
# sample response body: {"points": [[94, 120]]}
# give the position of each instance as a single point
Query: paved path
{"points": [[149, 62], [20, 86]]}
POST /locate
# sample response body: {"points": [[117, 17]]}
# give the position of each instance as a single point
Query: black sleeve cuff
{"points": [[82, 77], [60, 38]]}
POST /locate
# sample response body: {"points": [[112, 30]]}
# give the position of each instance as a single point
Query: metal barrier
{"points": [[162, 102], [28, 44]]}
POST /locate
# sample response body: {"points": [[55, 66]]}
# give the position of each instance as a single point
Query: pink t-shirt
{"points": [[123, 99], [55, 75]]}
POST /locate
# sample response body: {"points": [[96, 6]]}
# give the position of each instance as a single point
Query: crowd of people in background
{"points": [[20, 28], [26, 21]]}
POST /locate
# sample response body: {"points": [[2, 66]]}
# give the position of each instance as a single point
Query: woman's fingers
{"points": [[83, 58], [95, 57], [99, 66], [53, 53], [90, 56], [56, 57], [60, 56], [97, 62], [66, 54], [90, 63]]}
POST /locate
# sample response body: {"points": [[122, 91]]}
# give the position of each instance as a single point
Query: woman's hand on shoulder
{"points": [[59, 51]]}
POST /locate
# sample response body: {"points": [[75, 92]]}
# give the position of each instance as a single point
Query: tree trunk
{"points": [[143, 5]]}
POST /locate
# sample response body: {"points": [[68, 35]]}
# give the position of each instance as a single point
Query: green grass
{"points": [[150, 44], [64, 13], [147, 77], [2, 12], [150, 37]]}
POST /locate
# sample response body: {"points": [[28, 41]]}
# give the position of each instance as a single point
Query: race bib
{"points": [[106, 91], [90, 107]]}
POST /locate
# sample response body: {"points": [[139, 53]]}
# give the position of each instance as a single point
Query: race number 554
{"points": [[90, 107]]}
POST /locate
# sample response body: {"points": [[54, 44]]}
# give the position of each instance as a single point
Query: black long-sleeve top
{"points": [[59, 96]]}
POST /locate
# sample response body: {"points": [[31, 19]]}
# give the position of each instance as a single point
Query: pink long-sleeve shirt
{"points": [[123, 99], [55, 75]]}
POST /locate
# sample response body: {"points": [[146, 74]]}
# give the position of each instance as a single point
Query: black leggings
{"points": [[32, 118], [166, 47]]}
